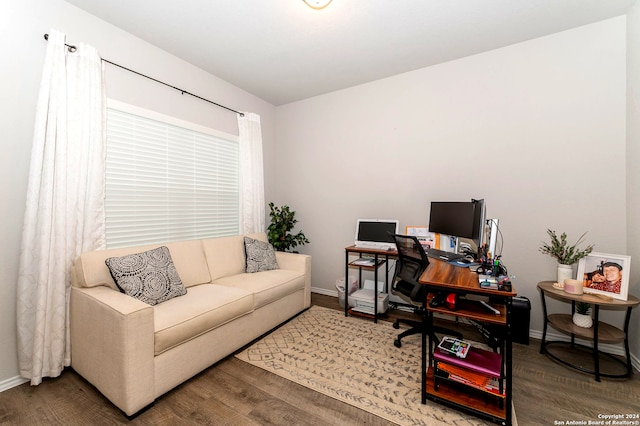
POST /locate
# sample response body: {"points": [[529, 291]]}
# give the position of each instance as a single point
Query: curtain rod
{"points": [[73, 48]]}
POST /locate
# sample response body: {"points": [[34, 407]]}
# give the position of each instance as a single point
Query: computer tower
{"points": [[520, 319]]}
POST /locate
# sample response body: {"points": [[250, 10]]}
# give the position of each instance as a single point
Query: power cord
{"points": [[501, 240]]}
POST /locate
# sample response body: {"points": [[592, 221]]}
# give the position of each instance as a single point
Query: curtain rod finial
{"points": [[71, 48]]}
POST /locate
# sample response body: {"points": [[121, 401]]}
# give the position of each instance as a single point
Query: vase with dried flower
{"points": [[565, 254]]}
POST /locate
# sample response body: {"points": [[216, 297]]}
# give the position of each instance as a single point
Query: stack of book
{"points": [[478, 368]]}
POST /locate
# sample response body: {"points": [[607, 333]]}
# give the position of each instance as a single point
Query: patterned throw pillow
{"points": [[149, 276], [260, 256]]}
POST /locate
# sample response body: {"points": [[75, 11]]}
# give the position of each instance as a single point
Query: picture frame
{"points": [[606, 274]]}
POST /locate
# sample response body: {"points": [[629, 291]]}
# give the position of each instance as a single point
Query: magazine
{"points": [[469, 378]]}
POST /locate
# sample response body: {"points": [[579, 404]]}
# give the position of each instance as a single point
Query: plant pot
{"points": [[564, 272], [583, 320]]}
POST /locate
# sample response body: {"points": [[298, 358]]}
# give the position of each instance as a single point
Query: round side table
{"points": [[601, 332]]}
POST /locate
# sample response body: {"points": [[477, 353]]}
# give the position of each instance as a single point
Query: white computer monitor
{"points": [[376, 233]]}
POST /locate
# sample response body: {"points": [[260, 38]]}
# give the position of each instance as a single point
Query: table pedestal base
{"points": [[588, 352]]}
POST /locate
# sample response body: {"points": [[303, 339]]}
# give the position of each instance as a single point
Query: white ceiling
{"points": [[284, 51]]}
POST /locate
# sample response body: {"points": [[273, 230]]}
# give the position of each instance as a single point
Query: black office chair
{"points": [[412, 262]]}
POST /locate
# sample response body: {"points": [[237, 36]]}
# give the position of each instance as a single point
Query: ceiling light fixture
{"points": [[317, 4]]}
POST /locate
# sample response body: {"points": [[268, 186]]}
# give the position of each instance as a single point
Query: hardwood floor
{"points": [[235, 393]]}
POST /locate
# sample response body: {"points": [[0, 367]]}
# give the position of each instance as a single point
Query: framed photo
{"points": [[606, 274], [426, 238]]}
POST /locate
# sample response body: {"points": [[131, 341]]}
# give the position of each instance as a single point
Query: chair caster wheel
{"points": [[397, 343], [396, 325]]}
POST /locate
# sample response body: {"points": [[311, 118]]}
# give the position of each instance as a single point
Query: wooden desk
{"points": [[601, 332], [443, 277], [352, 250]]}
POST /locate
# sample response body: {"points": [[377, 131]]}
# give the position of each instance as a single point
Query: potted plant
{"points": [[582, 316], [279, 231], [565, 254]]}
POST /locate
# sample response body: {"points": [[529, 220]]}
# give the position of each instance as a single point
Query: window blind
{"points": [[165, 182]]}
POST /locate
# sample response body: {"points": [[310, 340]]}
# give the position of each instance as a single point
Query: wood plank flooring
{"points": [[235, 393]]}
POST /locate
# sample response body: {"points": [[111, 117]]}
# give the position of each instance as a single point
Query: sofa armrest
{"points": [[297, 262], [112, 338]]}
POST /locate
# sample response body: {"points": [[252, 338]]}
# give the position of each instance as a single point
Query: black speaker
{"points": [[520, 319]]}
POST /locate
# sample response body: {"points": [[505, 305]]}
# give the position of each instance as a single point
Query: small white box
{"points": [[362, 301]]}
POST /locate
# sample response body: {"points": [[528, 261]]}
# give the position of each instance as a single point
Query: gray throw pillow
{"points": [[260, 256], [149, 276]]}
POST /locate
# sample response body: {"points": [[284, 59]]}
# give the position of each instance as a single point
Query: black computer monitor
{"points": [[453, 218], [459, 219], [479, 222]]}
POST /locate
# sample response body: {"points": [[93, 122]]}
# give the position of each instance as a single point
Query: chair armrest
{"points": [[112, 345], [297, 262]]}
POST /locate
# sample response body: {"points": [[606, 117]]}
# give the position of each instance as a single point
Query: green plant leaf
{"points": [[565, 254], [279, 231], [583, 308]]}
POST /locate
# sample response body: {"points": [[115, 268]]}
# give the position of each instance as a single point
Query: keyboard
{"points": [[375, 246], [442, 255]]}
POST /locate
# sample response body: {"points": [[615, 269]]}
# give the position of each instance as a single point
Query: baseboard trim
{"points": [[536, 334], [12, 383], [324, 291]]}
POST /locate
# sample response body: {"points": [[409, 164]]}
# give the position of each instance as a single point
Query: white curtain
{"points": [[65, 202], [252, 207]]}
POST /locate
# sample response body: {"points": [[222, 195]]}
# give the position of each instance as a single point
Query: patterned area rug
{"points": [[353, 360]]}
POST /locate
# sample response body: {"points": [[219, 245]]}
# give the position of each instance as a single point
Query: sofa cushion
{"points": [[225, 255], [90, 270], [260, 256], [267, 286], [149, 276], [203, 308]]}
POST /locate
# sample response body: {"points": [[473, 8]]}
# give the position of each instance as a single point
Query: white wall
{"points": [[633, 157], [537, 129], [22, 26]]}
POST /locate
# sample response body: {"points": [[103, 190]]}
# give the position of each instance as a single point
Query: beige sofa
{"points": [[133, 352]]}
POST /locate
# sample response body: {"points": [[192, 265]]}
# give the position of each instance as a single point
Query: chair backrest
{"points": [[412, 262]]}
